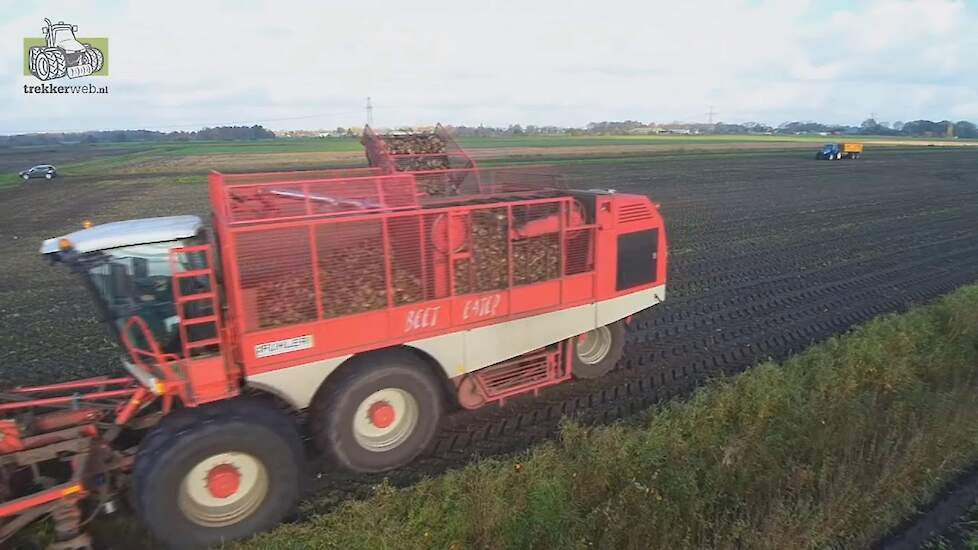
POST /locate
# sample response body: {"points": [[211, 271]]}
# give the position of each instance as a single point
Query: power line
{"points": [[710, 114], [370, 113]]}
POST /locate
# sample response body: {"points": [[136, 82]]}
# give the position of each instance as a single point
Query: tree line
{"points": [[125, 136], [915, 128]]}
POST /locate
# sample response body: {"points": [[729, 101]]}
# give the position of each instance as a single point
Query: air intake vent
{"points": [[628, 213]]}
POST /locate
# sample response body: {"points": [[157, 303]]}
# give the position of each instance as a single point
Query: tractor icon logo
{"points": [[63, 54]]}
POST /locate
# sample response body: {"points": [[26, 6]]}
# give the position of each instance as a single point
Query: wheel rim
{"points": [[42, 67], [223, 489], [385, 419], [593, 346]]}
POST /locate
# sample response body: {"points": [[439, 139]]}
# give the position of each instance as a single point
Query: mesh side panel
{"points": [[536, 256], [407, 267], [351, 196], [307, 175], [536, 259], [318, 197], [377, 155], [488, 264], [448, 183], [258, 203], [580, 255], [459, 158], [512, 180], [351, 267], [276, 277]]}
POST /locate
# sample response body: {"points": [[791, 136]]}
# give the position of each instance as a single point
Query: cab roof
{"points": [[126, 233]]}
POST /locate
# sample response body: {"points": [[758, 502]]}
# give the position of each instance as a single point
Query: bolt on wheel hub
{"points": [[385, 419], [223, 489], [381, 414], [223, 480]]}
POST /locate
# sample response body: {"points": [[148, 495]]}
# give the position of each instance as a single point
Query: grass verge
{"points": [[829, 449]]}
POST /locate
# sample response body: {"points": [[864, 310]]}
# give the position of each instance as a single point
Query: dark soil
{"points": [[768, 254]]}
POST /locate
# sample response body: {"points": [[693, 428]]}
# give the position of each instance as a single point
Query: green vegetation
{"points": [[829, 449]]}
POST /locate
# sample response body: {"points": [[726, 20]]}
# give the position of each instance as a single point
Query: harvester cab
{"points": [[62, 35], [127, 267], [152, 282]]}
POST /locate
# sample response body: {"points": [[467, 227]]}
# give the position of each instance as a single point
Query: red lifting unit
{"points": [[371, 301]]}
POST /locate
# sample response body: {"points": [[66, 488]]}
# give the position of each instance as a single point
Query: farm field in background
{"points": [[189, 158], [770, 251]]}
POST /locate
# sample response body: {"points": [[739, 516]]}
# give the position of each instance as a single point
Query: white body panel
{"points": [[128, 232], [469, 350]]}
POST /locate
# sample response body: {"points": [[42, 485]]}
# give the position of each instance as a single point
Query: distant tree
{"points": [[965, 129], [897, 125], [924, 128], [721, 128]]}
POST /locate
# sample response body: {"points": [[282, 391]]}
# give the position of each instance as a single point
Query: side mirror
{"points": [[74, 28], [44, 30]]}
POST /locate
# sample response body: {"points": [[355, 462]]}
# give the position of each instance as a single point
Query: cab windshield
{"points": [[62, 34], [138, 281]]}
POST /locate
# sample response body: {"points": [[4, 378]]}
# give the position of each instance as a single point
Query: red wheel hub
{"points": [[381, 414], [223, 480]]}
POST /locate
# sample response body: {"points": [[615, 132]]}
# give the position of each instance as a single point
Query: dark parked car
{"points": [[39, 171]]}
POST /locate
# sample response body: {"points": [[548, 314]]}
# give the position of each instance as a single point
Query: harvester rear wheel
{"points": [[218, 473], [596, 352], [51, 64], [378, 413]]}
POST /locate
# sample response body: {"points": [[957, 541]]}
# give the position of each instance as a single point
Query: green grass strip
{"points": [[829, 449]]}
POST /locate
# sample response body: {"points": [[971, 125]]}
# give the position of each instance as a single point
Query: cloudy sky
{"points": [[183, 65]]}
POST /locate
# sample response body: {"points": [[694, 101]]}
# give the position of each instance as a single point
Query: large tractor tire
{"points": [[32, 55], [596, 352], [210, 475], [379, 412], [95, 57], [51, 64]]}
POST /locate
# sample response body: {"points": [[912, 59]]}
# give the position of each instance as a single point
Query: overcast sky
{"points": [[183, 65]]}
